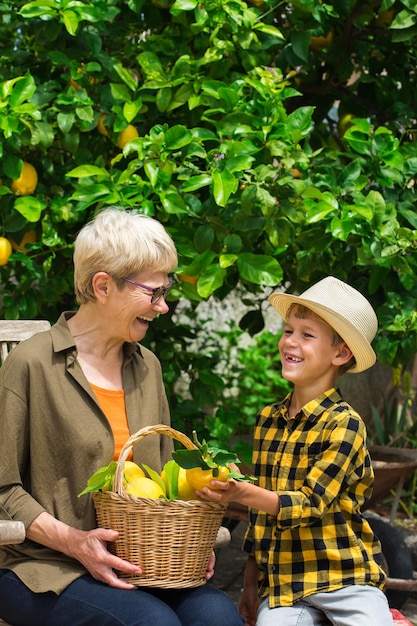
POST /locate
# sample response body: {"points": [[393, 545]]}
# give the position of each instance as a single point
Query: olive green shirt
{"points": [[54, 436]]}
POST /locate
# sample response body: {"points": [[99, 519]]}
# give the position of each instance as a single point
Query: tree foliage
{"points": [[277, 143]]}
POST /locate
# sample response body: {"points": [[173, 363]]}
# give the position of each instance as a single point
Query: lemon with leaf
{"points": [[206, 463]]}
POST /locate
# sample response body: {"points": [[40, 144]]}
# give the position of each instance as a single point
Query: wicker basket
{"points": [[170, 541]]}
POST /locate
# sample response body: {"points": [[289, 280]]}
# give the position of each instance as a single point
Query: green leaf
{"points": [[177, 137], [300, 122], [151, 170], [183, 5], [65, 121], [227, 260], [131, 109], [126, 76], [155, 477], [23, 89], [196, 182], [224, 184], [30, 207], [42, 9], [163, 98], [211, 279], [102, 478], [188, 459], [42, 134], [173, 203], [260, 269], [268, 29], [71, 21], [319, 211], [171, 469], [85, 171]]}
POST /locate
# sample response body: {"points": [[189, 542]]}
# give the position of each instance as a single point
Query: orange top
{"points": [[112, 403]]}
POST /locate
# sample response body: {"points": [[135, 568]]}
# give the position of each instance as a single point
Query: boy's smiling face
{"points": [[308, 353]]}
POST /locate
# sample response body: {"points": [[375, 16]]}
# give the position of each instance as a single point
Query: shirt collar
{"points": [[313, 409], [63, 340]]}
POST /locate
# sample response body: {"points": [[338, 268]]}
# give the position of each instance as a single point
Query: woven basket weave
{"points": [[170, 541]]}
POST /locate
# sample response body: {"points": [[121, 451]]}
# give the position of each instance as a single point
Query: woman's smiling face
{"points": [[131, 308]]}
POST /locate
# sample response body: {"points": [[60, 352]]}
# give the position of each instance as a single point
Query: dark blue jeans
{"points": [[87, 602]]}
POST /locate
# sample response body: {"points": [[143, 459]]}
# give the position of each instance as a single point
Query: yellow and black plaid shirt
{"points": [[319, 465]]}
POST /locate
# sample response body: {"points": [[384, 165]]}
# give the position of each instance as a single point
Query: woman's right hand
{"points": [[91, 550], [88, 547]]}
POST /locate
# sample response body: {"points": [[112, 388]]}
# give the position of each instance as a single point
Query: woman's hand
{"points": [[91, 550], [210, 567], [87, 547]]}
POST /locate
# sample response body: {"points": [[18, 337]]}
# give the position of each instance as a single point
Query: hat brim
{"points": [[359, 345]]}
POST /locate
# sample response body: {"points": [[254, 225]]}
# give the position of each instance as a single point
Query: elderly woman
{"points": [[70, 397]]}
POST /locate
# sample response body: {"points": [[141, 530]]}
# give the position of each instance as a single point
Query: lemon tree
{"points": [[223, 121]]}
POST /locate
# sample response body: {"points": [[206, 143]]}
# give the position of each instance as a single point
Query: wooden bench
{"points": [[11, 333]]}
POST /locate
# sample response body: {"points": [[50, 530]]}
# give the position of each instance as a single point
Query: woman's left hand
{"points": [[210, 566]]}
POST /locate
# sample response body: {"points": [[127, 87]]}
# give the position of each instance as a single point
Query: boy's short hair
{"points": [[345, 309]]}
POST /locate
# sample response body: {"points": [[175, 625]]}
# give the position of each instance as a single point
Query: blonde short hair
{"points": [[122, 243]]}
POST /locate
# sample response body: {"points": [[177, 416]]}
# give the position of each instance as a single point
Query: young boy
{"points": [[313, 558]]}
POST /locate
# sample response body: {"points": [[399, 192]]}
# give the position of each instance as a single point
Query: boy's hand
{"points": [[221, 491], [242, 492]]}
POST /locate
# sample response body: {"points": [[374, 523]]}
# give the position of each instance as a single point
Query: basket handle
{"points": [[157, 429]]}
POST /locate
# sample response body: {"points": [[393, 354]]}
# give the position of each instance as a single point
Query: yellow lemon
{"points": [[185, 491], [321, 42], [142, 487], [127, 135], [199, 478], [132, 470], [344, 123], [186, 278], [5, 250], [27, 181], [101, 127], [28, 237], [385, 18]]}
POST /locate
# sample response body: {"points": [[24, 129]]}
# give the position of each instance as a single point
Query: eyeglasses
{"points": [[157, 292]]}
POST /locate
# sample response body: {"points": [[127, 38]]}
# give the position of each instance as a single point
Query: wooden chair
{"points": [[14, 331], [11, 333]]}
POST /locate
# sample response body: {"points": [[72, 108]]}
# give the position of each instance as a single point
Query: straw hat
{"points": [[346, 310]]}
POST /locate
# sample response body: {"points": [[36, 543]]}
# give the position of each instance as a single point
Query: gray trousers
{"points": [[357, 605]]}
